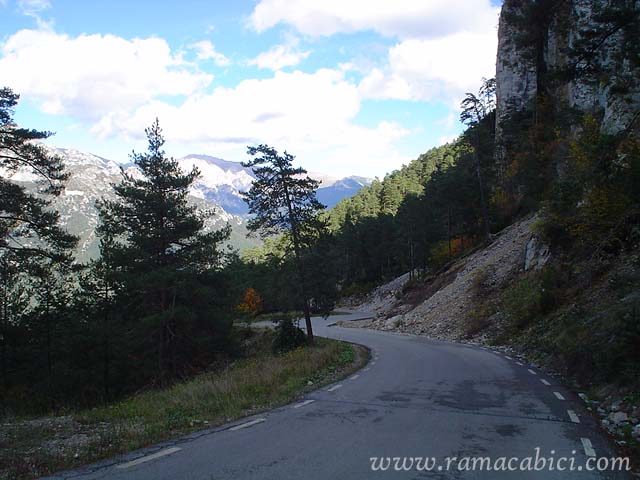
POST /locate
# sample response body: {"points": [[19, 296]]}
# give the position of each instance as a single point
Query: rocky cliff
{"points": [[582, 56]]}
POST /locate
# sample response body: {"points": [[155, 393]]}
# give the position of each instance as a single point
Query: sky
{"points": [[350, 87]]}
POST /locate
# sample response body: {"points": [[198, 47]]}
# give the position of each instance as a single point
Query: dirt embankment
{"points": [[443, 306], [587, 338]]}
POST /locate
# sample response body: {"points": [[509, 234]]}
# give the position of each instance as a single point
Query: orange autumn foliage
{"points": [[251, 303]]}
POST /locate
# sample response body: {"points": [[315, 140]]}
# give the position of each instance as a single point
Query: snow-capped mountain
{"points": [[222, 181], [91, 178], [218, 189], [347, 187]]}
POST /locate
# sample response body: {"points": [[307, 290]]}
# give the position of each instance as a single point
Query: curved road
{"points": [[416, 398]]}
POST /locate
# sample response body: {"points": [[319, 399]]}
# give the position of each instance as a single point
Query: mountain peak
{"points": [[218, 162]]}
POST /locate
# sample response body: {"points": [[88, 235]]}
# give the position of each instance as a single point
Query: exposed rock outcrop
{"points": [[571, 54]]}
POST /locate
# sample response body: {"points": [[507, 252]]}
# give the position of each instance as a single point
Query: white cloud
{"points": [[444, 68], [445, 47], [381, 85], [398, 18], [29, 7], [309, 114], [91, 76], [278, 57], [206, 51], [34, 9]]}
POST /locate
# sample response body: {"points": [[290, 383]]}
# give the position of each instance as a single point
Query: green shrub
{"points": [[288, 337], [603, 346], [358, 289], [484, 291], [530, 296]]}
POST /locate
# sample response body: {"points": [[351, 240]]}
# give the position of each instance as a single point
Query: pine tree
{"points": [[31, 241], [164, 242], [14, 299], [27, 225], [474, 110], [283, 200], [50, 290]]}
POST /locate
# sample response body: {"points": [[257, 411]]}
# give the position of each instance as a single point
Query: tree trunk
{"points": [[307, 321], [299, 264], [483, 203], [449, 229], [163, 336], [48, 345], [106, 346], [3, 330], [411, 259], [171, 329]]}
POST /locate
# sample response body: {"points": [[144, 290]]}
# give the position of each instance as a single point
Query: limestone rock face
{"points": [[536, 254], [522, 65], [516, 72]]}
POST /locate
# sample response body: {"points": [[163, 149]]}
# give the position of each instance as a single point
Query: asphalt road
{"points": [[416, 398]]}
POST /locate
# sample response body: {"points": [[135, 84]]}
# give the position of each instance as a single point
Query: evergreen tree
{"points": [[163, 241], [34, 249], [48, 318], [283, 200], [474, 110], [27, 224], [14, 300]]}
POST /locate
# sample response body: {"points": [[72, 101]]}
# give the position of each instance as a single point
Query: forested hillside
{"points": [[566, 176], [556, 133], [417, 218], [560, 138]]}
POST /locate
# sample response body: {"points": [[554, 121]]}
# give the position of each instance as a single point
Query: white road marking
{"points": [[148, 458], [545, 382], [558, 395], [518, 363], [248, 424], [302, 404], [588, 447], [531, 372], [572, 415], [354, 377], [335, 387]]}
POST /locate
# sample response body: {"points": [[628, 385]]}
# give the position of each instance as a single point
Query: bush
{"points": [[484, 292], [599, 347], [530, 296], [358, 289], [288, 337]]}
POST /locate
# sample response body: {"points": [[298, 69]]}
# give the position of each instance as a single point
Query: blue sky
{"points": [[348, 86]]}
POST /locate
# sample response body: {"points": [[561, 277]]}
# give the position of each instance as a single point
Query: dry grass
{"points": [[32, 448]]}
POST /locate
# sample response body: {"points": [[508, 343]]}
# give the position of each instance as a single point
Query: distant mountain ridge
{"points": [[223, 181], [217, 189], [344, 188]]}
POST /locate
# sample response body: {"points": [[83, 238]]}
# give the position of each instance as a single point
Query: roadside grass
{"points": [[36, 447]]}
